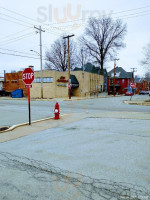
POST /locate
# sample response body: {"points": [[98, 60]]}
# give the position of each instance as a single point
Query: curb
{"points": [[27, 123], [137, 103]]}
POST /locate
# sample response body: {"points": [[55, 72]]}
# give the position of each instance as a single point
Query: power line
{"points": [[17, 39], [16, 51], [11, 54], [135, 14], [18, 14], [15, 33], [132, 9], [82, 19], [16, 19], [13, 22]]}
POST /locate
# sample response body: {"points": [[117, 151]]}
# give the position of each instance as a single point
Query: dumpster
{"points": [[17, 93]]}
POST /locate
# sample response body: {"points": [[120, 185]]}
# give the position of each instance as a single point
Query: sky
{"points": [[18, 35]]}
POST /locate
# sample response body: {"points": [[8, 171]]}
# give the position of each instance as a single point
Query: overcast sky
{"points": [[18, 33]]}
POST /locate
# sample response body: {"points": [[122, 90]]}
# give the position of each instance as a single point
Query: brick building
{"points": [[122, 80], [143, 85], [13, 81]]}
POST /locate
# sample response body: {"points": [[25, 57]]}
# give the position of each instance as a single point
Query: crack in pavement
{"points": [[82, 186]]}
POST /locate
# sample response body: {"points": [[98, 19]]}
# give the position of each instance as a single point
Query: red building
{"points": [[122, 80], [143, 85]]}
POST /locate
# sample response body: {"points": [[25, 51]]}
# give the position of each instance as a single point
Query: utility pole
{"points": [[133, 70], [69, 87], [40, 31], [114, 91], [82, 60]]}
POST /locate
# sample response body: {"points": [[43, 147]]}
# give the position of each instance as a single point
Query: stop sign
{"points": [[133, 85], [28, 76]]}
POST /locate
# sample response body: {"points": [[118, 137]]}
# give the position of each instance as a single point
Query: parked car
{"points": [[128, 93], [144, 92]]}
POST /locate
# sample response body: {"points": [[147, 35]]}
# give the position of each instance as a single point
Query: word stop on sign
{"points": [[28, 76]]}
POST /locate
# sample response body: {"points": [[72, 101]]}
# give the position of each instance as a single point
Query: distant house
{"points": [[122, 80], [143, 85]]}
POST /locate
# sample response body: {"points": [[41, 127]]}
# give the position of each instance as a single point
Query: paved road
{"points": [[16, 111], [91, 159], [104, 155]]}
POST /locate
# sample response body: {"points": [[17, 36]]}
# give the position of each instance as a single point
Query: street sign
{"points": [[28, 76], [69, 85], [28, 86], [133, 85]]}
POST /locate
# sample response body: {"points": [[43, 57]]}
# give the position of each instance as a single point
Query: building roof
{"points": [[120, 73], [89, 68], [147, 79], [78, 69]]}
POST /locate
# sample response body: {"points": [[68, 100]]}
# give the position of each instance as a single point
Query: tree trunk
{"points": [[102, 68]]}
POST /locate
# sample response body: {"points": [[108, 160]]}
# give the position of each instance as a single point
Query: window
{"points": [[45, 80], [123, 81], [118, 81], [111, 81], [14, 81], [37, 80]]}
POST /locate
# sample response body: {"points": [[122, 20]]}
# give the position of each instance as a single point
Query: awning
{"points": [[74, 81]]}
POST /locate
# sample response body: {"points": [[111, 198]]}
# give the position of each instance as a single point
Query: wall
{"points": [[142, 86], [122, 89], [50, 90], [13, 81], [88, 84]]}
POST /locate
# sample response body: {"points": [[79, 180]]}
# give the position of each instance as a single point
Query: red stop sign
{"points": [[28, 76], [133, 85]]}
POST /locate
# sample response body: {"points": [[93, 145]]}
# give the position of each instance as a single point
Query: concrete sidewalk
{"points": [[24, 129]]}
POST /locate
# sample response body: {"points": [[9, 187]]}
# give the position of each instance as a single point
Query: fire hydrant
{"points": [[57, 111]]}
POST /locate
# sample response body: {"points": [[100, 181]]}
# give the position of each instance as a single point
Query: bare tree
{"points": [[82, 56], [147, 76], [57, 56], [102, 38], [146, 60]]}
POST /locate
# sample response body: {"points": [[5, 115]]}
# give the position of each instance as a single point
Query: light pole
{"points": [[41, 72], [114, 76]]}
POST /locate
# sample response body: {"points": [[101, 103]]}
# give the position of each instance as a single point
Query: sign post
{"points": [[28, 78], [133, 86]]}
